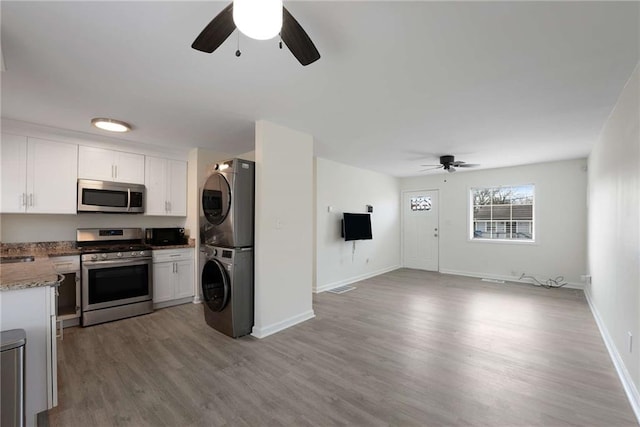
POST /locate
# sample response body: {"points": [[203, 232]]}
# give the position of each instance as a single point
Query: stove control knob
{"points": [[119, 254], [104, 256], [134, 253], [141, 252], [94, 257]]}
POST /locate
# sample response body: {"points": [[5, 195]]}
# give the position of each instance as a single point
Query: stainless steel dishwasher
{"points": [[12, 375]]}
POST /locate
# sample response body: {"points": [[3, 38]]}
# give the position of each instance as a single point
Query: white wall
{"points": [[560, 222], [48, 228], [349, 189], [614, 235], [283, 229]]}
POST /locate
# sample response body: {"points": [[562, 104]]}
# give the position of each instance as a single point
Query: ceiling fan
{"points": [[449, 164], [291, 33]]}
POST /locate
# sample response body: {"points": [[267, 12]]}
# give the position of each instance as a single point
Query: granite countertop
{"points": [[24, 275], [40, 272]]}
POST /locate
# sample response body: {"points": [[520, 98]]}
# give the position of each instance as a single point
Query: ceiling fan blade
{"points": [[433, 167], [297, 39], [451, 169], [218, 30], [467, 165]]}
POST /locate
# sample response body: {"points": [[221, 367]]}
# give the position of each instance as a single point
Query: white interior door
{"points": [[420, 229]]}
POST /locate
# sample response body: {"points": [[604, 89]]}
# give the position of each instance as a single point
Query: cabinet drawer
{"points": [[170, 255]]}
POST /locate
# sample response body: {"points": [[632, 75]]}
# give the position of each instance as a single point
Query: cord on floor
{"points": [[558, 282]]}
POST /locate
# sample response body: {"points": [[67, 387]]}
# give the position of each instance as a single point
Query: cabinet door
{"points": [[129, 168], [163, 281], [52, 352], [184, 276], [155, 182], [96, 163], [51, 176], [13, 174], [177, 187]]}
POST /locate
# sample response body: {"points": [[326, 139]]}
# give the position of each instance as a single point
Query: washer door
{"points": [[216, 199], [215, 286]]}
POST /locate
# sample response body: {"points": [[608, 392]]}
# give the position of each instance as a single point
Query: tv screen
{"points": [[356, 226]]}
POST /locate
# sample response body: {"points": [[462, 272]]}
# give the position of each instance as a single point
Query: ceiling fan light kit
{"points": [[225, 23], [258, 19], [449, 163]]}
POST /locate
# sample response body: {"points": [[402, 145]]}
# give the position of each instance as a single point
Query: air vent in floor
{"points": [[342, 289]]}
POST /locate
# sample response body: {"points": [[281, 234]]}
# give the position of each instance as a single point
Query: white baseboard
{"points": [[627, 382], [265, 331], [171, 303], [329, 286], [569, 285]]}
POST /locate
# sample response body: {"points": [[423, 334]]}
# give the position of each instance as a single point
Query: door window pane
{"points": [[422, 203]]}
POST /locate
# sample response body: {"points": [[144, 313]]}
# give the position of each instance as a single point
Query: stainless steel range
{"points": [[116, 274]]}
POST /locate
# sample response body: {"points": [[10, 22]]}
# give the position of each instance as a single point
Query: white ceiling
{"points": [[496, 83]]}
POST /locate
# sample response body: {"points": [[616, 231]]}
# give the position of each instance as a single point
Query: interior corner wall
{"points": [[614, 236], [283, 229], [341, 188], [559, 214]]}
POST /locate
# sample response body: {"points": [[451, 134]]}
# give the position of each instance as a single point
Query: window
{"points": [[422, 203], [502, 213]]}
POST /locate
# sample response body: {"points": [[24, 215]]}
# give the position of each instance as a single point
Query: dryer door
{"points": [[215, 285], [216, 199]]}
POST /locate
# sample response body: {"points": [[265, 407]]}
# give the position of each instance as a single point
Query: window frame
{"points": [[470, 228]]}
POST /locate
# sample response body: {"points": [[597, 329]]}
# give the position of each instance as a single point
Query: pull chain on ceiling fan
{"points": [[291, 33]]}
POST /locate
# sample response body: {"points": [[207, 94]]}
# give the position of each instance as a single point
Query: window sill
{"points": [[503, 241]]}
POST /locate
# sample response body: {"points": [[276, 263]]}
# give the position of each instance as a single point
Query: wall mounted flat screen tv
{"points": [[356, 226]]}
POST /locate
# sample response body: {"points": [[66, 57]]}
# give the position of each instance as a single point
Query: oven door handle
{"points": [[116, 262], [128, 199]]}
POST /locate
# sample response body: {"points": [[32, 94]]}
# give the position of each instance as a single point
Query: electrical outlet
{"points": [[630, 335]]}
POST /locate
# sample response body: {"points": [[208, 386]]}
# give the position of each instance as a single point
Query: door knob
{"points": [[435, 234]]}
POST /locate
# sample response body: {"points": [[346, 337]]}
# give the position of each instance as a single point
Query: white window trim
{"points": [[471, 239]]}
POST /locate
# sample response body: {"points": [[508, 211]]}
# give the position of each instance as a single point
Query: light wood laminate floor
{"points": [[405, 348]]}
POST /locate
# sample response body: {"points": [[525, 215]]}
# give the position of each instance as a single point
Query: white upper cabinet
{"points": [[38, 176], [166, 184], [14, 173], [109, 165]]}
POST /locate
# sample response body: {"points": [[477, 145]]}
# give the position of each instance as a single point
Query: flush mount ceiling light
{"points": [[258, 19], [111, 125]]}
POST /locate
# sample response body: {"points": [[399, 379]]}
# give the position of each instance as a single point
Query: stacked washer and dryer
{"points": [[226, 251]]}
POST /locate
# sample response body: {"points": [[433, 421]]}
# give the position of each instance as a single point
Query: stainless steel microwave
{"points": [[110, 197]]}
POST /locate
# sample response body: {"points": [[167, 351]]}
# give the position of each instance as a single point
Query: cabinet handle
{"points": [[23, 199], [169, 203], [116, 171], [113, 175], [31, 199]]}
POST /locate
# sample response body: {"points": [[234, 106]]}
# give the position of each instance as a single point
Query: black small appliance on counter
{"points": [[165, 236]]}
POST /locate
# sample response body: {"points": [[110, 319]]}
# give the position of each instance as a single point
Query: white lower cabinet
{"points": [[33, 309], [173, 278]]}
